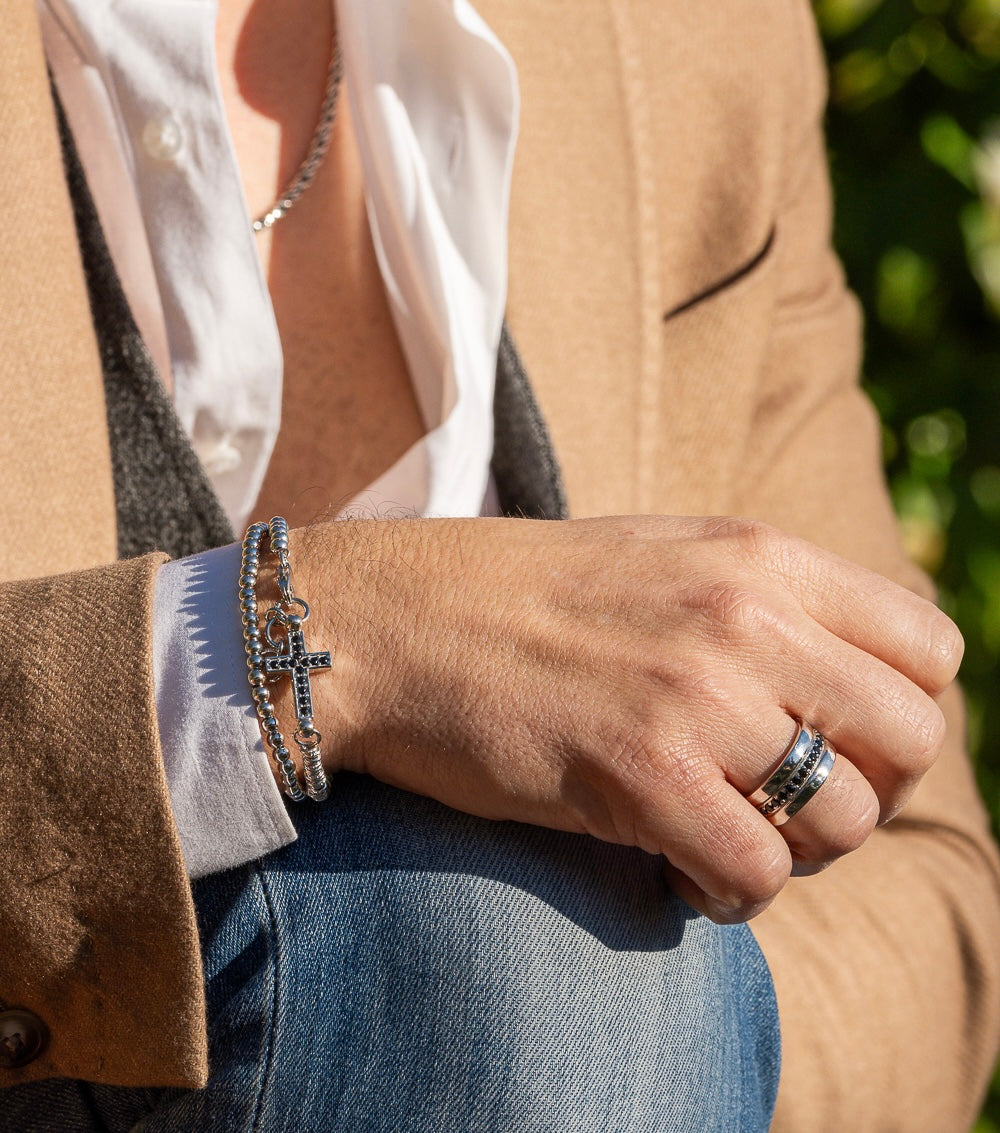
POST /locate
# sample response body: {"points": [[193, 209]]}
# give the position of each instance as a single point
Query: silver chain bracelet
{"points": [[269, 659]]}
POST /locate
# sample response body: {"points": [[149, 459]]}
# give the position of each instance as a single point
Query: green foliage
{"points": [[914, 133]]}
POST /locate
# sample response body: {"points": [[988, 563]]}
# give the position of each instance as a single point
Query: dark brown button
{"points": [[22, 1038]]}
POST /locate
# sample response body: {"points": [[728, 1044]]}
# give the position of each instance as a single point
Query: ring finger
{"points": [[839, 808]]}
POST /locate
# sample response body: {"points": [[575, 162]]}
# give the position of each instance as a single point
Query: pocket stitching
{"points": [[733, 277]]}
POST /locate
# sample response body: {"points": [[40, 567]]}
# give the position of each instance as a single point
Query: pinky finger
{"points": [[711, 907], [729, 861]]}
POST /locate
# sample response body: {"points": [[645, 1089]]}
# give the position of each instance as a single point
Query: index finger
{"points": [[865, 609]]}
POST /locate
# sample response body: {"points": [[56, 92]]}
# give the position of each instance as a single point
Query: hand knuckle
{"points": [[738, 608], [763, 876], [918, 727], [645, 758], [927, 728], [947, 647], [757, 541], [936, 645], [747, 539], [853, 828], [723, 527], [711, 696], [634, 753], [685, 774]]}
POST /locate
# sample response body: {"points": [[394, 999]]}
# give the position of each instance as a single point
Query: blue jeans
{"points": [[408, 969]]}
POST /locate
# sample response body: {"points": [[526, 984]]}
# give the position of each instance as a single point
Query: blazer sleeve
{"points": [[886, 966], [97, 930]]}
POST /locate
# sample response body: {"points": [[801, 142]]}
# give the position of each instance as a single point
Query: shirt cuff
{"points": [[226, 803]]}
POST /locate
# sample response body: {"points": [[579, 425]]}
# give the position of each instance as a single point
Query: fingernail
{"points": [[722, 912]]}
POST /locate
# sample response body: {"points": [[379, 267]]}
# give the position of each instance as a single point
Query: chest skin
{"points": [[348, 406]]}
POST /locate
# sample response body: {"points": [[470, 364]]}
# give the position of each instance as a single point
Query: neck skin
{"points": [[273, 57]]}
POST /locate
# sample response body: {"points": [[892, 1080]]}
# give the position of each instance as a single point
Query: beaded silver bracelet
{"points": [[269, 659]]}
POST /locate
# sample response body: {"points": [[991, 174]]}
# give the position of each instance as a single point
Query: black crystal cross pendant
{"points": [[296, 659]]}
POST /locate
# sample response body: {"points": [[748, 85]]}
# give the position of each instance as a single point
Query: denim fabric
{"points": [[406, 968]]}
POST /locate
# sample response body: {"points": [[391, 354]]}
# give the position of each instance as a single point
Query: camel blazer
{"points": [[692, 345]]}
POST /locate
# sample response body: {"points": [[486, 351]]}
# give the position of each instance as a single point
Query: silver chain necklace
{"points": [[317, 149]]}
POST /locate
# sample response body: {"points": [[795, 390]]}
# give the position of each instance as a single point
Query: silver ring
{"points": [[809, 788], [802, 770], [789, 763], [782, 798]]}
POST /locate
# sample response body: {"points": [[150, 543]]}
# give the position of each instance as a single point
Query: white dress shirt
{"points": [[434, 101]]}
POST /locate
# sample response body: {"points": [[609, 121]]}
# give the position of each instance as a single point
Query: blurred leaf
{"points": [[984, 484], [979, 21], [984, 569], [980, 226], [837, 17], [955, 67], [948, 145], [935, 441], [923, 518], [906, 293], [863, 77]]}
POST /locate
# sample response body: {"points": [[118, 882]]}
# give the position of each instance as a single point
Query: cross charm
{"points": [[296, 660]]}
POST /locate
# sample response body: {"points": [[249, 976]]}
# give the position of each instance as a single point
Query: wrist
{"points": [[276, 651], [340, 565]]}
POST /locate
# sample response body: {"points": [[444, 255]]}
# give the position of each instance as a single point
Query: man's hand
{"points": [[631, 678]]}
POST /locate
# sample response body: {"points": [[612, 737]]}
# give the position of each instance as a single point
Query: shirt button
{"points": [[163, 138], [221, 458], [23, 1037]]}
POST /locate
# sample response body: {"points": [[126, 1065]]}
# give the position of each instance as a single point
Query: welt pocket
{"points": [[745, 269]]}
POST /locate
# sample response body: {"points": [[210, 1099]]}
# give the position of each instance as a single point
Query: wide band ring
{"points": [[802, 771], [790, 762], [809, 788]]}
